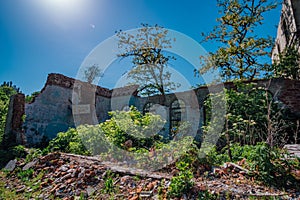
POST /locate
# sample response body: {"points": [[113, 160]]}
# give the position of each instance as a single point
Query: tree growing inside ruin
{"points": [[146, 48], [242, 53], [91, 73]]}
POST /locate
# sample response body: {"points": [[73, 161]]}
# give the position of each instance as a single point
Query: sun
{"points": [[63, 11], [63, 5]]}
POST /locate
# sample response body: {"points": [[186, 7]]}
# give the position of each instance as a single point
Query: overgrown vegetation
{"points": [[68, 142], [253, 115], [267, 163], [255, 129], [245, 134], [7, 89], [29, 98], [270, 165], [130, 131], [182, 182], [109, 183], [287, 63], [31, 181]]}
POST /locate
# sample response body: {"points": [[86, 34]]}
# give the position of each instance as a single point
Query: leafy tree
{"points": [[287, 65], [242, 53], [149, 62], [91, 73], [10, 85]]}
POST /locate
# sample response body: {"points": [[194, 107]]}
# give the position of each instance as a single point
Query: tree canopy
{"points": [[91, 73], [242, 53], [145, 48]]}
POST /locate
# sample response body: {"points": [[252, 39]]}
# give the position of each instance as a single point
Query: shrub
{"points": [[7, 89], [142, 130], [32, 154], [93, 138], [18, 151], [269, 164], [182, 182], [123, 126], [68, 142], [252, 115]]}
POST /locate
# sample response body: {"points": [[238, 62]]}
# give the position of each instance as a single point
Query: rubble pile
{"points": [[233, 180], [67, 176]]}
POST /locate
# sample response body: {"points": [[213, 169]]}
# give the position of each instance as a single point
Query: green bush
{"points": [[206, 195], [252, 116], [93, 138], [268, 164], [182, 182], [32, 154], [12, 153], [123, 126], [29, 98], [142, 130], [18, 151], [68, 142]]}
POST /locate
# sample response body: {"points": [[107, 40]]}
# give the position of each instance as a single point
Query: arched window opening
{"points": [[206, 112], [177, 114]]}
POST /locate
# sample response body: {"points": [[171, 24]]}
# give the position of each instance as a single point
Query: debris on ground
{"points": [[67, 176]]}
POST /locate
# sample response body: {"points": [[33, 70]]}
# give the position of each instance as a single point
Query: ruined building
{"points": [[65, 102], [288, 32]]}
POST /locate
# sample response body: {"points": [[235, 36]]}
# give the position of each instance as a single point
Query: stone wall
{"points": [[14, 133], [288, 31], [50, 113], [288, 94], [65, 102]]}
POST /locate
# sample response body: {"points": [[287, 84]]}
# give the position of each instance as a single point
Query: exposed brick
{"points": [[53, 109], [14, 134]]}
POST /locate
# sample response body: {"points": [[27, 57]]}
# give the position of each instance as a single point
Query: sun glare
{"points": [[63, 11]]}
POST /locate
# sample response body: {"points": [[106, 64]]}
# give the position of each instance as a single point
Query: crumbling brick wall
{"points": [[65, 102], [14, 133], [54, 109]]}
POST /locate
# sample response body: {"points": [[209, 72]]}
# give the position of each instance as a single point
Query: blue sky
{"points": [[38, 37]]}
